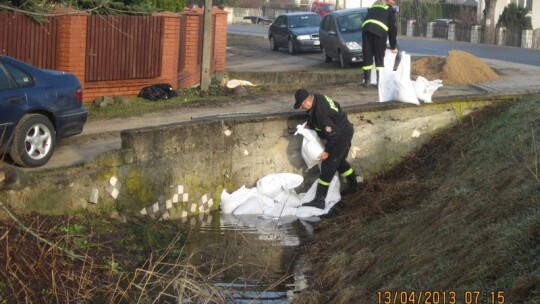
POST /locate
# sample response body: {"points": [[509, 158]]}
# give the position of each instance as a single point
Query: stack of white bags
{"points": [[397, 85], [274, 195]]}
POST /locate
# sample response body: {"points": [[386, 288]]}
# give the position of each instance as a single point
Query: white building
{"points": [[532, 5]]}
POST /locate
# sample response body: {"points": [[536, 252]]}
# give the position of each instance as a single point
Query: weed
{"points": [[73, 229]]}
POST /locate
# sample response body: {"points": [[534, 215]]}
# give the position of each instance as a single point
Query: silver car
{"points": [[341, 36]]}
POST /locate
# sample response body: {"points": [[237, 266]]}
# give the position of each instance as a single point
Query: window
{"points": [[4, 80], [22, 79]]}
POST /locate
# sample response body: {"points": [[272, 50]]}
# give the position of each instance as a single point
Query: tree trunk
{"points": [[489, 22]]}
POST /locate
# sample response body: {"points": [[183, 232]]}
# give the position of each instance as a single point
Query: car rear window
{"points": [[4, 80], [22, 79], [351, 23], [305, 20]]}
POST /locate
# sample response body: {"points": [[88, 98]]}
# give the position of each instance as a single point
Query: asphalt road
{"points": [[432, 47]]}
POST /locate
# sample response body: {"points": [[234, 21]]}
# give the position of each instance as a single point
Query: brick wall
{"points": [[181, 52]]}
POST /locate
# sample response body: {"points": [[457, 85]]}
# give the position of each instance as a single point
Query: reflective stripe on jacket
{"points": [[329, 121], [381, 21]]}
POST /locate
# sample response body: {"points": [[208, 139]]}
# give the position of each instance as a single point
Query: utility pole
{"points": [[207, 47]]}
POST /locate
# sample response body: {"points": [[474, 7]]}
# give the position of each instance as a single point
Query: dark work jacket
{"points": [[381, 21], [330, 122]]}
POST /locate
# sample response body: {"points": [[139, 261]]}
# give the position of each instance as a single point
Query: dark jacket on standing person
{"points": [[381, 21], [330, 122]]}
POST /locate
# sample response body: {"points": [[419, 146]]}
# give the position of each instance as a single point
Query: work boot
{"points": [[352, 184], [367, 78], [320, 196]]}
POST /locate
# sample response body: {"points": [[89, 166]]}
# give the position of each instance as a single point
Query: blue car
{"points": [[37, 108], [296, 32]]}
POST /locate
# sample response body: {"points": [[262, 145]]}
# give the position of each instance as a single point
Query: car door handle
{"points": [[14, 101]]}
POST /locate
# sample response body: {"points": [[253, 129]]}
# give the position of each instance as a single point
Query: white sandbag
{"points": [[289, 198], [373, 77], [424, 88], [309, 212], [250, 206], [229, 202], [397, 85], [274, 184], [386, 77], [332, 197], [404, 91], [312, 146], [279, 210]]}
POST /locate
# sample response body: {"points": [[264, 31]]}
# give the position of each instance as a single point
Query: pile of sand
{"points": [[458, 68]]}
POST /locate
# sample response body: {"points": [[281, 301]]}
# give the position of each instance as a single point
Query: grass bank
{"points": [[459, 219]]}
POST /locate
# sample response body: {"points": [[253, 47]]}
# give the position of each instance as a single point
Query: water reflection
{"points": [[256, 259]]}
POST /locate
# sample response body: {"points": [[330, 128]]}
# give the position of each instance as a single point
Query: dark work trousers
{"points": [[337, 158], [373, 46]]}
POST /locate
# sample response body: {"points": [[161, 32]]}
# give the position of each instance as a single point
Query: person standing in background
{"points": [[378, 27]]}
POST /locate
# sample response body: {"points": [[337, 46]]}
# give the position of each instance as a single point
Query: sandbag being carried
{"points": [[397, 85], [312, 145]]}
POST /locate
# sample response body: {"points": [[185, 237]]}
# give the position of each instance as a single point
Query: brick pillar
{"points": [[190, 44], [72, 42], [220, 39], [171, 45]]}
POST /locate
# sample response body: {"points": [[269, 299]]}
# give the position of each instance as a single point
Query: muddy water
{"points": [[256, 260]]}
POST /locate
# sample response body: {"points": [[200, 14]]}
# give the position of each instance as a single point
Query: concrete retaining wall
{"points": [[206, 157], [181, 169]]}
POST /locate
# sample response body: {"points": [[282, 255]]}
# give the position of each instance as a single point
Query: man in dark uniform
{"points": [[379, 25], [331, 124]]}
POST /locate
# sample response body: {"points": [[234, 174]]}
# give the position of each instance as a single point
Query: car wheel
{"points": [[34, 139], [342, 61], [290, 47], [273, 45], [325, 56]]}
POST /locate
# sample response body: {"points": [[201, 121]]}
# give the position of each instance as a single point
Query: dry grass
{"points": [[39, 265], [462, 213]]}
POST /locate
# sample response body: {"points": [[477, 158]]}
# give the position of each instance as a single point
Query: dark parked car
{"points": [[341, 35], [295, 31], [37, 107]]}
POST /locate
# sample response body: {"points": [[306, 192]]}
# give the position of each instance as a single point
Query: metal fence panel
{"points": [[124, 47], [29, 40]]}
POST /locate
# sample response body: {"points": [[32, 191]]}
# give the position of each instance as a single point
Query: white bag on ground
{"points": [[333, 196], [275, 184], [397, 85], [424, 88], [312, 145], [386, 77], [229, 202]]}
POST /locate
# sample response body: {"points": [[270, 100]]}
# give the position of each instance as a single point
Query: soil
{"points": [[458, 68]]}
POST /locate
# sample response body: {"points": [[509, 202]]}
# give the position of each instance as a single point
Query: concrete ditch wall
{"points": [[181, 169]]}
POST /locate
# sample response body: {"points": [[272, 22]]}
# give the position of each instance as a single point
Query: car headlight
{"points": [[353, 45], [303, 37]]}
